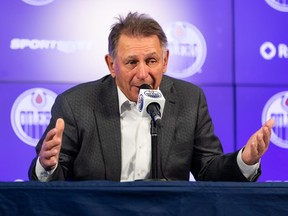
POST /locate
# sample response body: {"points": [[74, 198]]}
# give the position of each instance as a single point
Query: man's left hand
{"points": [[258, 144]]}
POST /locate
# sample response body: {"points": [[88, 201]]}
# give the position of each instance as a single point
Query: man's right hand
{"points": [[50, 150]]}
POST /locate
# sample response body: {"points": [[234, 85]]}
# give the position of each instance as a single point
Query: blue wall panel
{"points": [[237, 51]]}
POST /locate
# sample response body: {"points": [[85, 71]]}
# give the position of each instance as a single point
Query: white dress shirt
{"points": [[135, 141]]}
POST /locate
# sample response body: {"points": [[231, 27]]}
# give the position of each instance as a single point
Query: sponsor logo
{"points": [[187, 48], [280, 5], [269, 51], [38, 2], [63, 46], [153, 94], [277, 108], [30, 114]]}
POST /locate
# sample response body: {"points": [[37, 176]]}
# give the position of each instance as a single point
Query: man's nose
{"points": [[142, 71]]}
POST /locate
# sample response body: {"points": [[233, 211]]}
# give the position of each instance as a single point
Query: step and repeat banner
{"points": [[261, 78], [237, 51]]}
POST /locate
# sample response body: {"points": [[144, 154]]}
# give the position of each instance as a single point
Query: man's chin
{"points": [[135, 99]]}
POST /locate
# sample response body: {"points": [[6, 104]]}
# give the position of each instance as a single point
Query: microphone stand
{"points": [[154, 135]]}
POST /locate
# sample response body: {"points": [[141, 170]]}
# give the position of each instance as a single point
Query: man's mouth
{"points": [[145, 86]]}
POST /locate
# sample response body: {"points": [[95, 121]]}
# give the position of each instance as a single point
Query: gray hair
{"points": [[135, 25]]}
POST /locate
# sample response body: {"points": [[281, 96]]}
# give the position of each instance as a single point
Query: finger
{"points": [[270, 123], [54, 136], [60, 125], [266, 135], [50, 135], [49, 145], [261, 145], [49, 159], [267, 130], [50, 153]]}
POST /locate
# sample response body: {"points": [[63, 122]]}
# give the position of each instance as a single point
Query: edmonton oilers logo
{"points": [[187, 49], [38, 2], [277, 108], [280, 5], [30, 114], [152, 94]]}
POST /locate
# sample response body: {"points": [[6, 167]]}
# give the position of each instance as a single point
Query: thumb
{"points": [[60, 125], [270, 123]]}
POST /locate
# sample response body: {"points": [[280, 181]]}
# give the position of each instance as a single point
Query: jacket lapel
{"points": [[167, 130], [108, 121]]}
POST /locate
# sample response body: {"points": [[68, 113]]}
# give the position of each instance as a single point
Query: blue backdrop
{"points": [[237, 51]]}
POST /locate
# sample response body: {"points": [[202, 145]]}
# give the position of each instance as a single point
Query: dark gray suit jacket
{"points": [[91, 147]]}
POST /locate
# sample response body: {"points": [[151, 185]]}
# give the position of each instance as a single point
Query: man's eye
{"points": [[131, 62], [151, 61]]}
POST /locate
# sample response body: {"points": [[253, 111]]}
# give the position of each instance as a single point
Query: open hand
{"points": [[258, 144], [50, 150]]}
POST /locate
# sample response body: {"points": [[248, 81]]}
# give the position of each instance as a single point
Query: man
{"points": [[106, 139]]}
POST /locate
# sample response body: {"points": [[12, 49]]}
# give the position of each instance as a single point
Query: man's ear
{"points": [[165, 63], [110, 64]]}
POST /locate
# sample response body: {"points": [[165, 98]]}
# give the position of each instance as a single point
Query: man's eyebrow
{"points": [[131, 57], [147, 55], [151, 54]]}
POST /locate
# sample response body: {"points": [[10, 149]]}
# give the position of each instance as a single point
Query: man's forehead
{"points": [[143, 45], [127, 39], [151, 54]]}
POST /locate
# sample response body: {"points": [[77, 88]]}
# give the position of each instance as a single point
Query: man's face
{"points": [[138, 60]]}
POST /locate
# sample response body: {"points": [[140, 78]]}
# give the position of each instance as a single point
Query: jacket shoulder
{"points": [[89, 89], [178, 86]]}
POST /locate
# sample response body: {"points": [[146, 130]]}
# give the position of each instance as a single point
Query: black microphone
{"points": [[151, 103]]}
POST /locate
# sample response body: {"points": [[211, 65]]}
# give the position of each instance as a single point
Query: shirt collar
{"points": [[124, 102]]}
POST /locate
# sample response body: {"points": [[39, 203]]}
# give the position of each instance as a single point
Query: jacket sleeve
{"points": [[60, 109], [209, 163]]}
